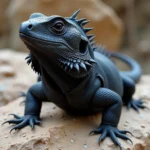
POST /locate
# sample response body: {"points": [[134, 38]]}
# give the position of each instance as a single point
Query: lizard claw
{"points": [[136, 105], [13, 121], [95, 131], [125, 132], [15, 116], [112, 132], [22, 122]]}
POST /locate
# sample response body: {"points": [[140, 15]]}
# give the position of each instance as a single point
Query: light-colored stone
{"points": [[115, 4], [6, 71], [15, 75], [4, 24], [68, 132], [3, 15], [108, 28]]}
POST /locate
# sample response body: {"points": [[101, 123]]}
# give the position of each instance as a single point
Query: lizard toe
{"points": [[13, 121], [125, 132], [112, 132], [37, 122], [122, 136], [114, 138], [96, 131], [15, 116], [20, 125], [102, 137], [138, 104], [22, 122], [31, 123]]}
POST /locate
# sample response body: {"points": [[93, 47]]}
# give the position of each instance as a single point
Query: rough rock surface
{"points": [[61, 131], [108, 27], [15, 75]]}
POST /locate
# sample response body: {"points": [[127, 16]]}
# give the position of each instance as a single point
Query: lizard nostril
{"points": [[30, 26]]}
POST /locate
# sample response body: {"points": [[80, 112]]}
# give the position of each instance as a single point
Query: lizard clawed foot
{"points": [[112, 132], [136, 105], [21, 122]]}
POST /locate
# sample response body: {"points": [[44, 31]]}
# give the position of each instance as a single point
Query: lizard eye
{"points": [[58, 26]]}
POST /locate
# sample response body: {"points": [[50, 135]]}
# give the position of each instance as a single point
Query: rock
{"points": [[4, 27], [108, 28], [6, 71], [117, 4], [3, 14], [71, 132], [15, 75]]}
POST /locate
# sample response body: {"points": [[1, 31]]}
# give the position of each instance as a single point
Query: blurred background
{"points": [[119, 25]]}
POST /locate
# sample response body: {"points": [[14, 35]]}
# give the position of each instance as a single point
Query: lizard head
{"points": [[61, 40]]}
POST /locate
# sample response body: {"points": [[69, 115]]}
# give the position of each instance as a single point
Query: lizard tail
{"points": [[135, 71]]}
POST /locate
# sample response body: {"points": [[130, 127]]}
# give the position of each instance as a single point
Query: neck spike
{"points": [[90, 36], [85, 22], [92, 43], [87, 29], [75, 14], [91, 39], [95, 48], [81, 20]]}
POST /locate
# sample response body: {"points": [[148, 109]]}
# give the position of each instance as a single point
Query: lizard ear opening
{"points": [[83, 45]]}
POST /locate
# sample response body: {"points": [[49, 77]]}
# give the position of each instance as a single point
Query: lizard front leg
{"points": [[111, 103], [33, 104]]}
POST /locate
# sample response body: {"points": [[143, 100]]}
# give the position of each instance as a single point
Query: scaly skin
{"points": [[75, 75]]}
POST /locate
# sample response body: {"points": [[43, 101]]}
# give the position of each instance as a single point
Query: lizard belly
{"points": [[54, 95], [78, 99], [81, 96]]}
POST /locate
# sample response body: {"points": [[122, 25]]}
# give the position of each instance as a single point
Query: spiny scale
{"points": [[27, 57], [92, 43], [92, 61], [85, 22], [83, 66], [76, 66], [88, 63], [75, 14], [90, 36], [71, 65], [68, 64], [81, 20], [94, 48], [87, 29], [103, 50]]}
